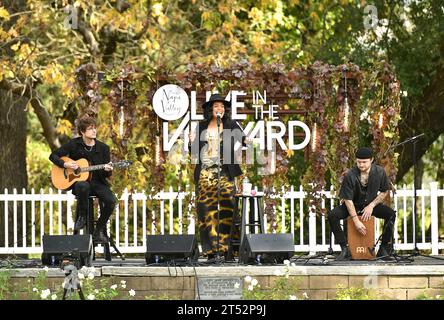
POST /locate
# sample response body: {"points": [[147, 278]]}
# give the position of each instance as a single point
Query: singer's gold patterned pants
{"points": [[207, 211]]}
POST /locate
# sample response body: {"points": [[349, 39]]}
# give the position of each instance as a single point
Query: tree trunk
{"points": [[13, 122], [426, 117]]}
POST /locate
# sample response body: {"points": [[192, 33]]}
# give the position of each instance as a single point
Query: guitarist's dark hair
{"points": [[84, 122]]}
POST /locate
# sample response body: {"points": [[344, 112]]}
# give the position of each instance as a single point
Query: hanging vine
{"points": [[384, 114], [344, 122]]}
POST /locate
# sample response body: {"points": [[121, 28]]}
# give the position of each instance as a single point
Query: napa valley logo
{"points": [[170, 102]]}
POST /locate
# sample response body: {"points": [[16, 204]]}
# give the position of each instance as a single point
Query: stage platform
{"points": [[318, 278]]}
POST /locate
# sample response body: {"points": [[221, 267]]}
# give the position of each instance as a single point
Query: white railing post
{"points": [[15, 225], [125, 217], [32, 218], [24, 218], [69, 217], [191, 216], [312, 230], [6, 221], [434, 216]]}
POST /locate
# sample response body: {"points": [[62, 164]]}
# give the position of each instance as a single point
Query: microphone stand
{"points": [[414, 140], [218, 187], [415, 251]]}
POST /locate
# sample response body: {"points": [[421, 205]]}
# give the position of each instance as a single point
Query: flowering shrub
{"points": [[92, 288], [352, 293], [284, 288]]}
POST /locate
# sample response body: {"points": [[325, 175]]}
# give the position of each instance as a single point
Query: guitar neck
{"points": [[92, 168]]}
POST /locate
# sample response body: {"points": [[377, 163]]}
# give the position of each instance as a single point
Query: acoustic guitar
{"points": [[63, 178]]}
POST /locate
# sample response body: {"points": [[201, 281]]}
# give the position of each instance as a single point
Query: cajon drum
{"points": [[358, 244]]}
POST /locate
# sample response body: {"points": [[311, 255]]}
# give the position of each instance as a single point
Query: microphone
{"points": [[416, 137], [218, 116]]}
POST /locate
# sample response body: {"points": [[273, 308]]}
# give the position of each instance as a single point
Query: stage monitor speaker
{"points": [[163, 248], [268, 248], [76, 248]]}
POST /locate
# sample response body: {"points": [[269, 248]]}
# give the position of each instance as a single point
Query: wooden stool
{"points": [[359, 245]]}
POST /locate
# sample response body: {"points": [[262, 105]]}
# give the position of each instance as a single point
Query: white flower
{"points": [[46, 269], [237, 285], [91, 276], [132, 293], [54, 296], [81, 276], [123, 286], [96, 291], [438, 296], [29, 280], [287, 262], [91, 297], [248, 279], [292, 297], [35, 289], [254, 282], [305, 295], [123, 282], [45, 293], [250, 287], [114, 286]]}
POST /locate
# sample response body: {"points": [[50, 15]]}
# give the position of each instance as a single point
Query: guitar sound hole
{"points": [[77, 171]]}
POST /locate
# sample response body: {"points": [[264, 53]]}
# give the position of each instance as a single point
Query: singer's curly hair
{"points": [[208, 113], [84, 122]]}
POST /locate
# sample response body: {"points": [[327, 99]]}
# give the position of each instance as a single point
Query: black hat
{"points": [[364, 153], [216, 97]]}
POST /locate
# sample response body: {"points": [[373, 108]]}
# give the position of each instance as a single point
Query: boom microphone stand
{"points": [[415, 251], [414, 140]]}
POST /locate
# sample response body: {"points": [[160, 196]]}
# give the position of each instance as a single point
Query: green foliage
{"points": [[163, 296], [352, 293], [38, 166], [5, 290], [427, 296]]}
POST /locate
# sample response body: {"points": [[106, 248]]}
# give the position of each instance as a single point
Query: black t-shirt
{"points": [[352, 189]]}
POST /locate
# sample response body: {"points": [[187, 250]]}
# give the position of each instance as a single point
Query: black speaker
{"points": [[270, 248], [77, 248], [163, 248]]}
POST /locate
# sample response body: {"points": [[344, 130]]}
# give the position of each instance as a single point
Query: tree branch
{"points": [[49, 130]]}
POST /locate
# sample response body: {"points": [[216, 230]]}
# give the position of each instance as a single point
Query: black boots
{"points": [[345, 254], [80, 223], [99, 235], [384, 252]]}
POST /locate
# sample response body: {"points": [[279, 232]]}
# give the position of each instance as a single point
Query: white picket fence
{"points": [[139, 214]]}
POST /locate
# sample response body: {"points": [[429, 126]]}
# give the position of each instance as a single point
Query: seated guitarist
{"points": [[96, 152]]}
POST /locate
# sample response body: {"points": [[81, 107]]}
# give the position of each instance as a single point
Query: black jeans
{"points": [[107, 201], [380, 211]]}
